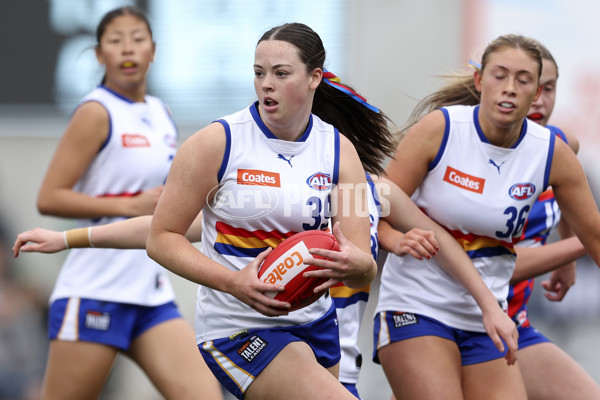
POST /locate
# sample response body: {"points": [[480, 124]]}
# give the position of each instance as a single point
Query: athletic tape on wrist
{"points": [[78, 238]]}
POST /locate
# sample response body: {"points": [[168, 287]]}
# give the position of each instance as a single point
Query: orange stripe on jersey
{"points": [[230, 230], [471, 242], [546, 195], [341, 290], [244, 243]]}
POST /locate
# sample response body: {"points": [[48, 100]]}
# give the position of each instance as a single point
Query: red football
{"points": [[284, 265]]}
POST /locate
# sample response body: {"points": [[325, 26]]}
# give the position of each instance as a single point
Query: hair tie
{"points": [[475, 65], [333, 81]]}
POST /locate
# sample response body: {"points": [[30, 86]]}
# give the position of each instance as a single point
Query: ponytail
{"points": [[363, 124]]}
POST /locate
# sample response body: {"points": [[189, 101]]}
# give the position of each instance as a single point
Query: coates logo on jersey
{"points": [[134, 140], [258, 178], [463, 180], [319, 181], [521, 191]]}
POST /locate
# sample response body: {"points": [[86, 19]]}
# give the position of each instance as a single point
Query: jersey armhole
{"points": [[227, 148], [168, 111], [105, 143], [336, 160], [549, 160], [557, 131], [442, 148]]}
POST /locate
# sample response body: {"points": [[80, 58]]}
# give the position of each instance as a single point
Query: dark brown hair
{"points": [[117, 12], [366, 129]]}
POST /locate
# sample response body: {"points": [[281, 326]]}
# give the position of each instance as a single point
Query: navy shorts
{"points": [[529, 336], [238, 359], [105, 322], [474, 347]]}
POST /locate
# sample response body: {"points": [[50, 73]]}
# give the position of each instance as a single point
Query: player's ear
{"points": [[477, 79], [99, 55], [315, 78]]}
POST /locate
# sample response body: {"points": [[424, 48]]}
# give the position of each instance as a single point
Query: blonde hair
{"points": [[460, 86]]}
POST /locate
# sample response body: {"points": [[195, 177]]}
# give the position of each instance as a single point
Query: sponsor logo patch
{"points": [[463, 180], [521, 191], [134, 140], [319, 181], [252, 347], [404, 319], [521, 317], [241, 334], [258, 178], [291, 260], [97, 320]]}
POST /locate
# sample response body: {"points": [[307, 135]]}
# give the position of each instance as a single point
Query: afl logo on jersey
{"points": [[521, 191], [170, 140], [319, 181]]}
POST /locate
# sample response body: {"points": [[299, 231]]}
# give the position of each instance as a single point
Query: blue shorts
{"points": [[474, 347], [352, 389], [238, 359], [529, 336], [112, 324]]}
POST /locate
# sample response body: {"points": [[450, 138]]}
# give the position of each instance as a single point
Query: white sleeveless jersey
{"points": [[350, 304], [136, 156], [269, 189], [482, 195]]}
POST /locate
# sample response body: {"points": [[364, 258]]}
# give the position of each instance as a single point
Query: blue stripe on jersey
{"points": [[374, 193], [489, 252], [232, 250], [105, 143], [256, 116], [109, 117], [306, 133], [477, 126], [482, 135], [549, 161], [336, 162], [518, 297], [110, 132], [341, 302], [227, 148], [120, 96], [440, 152], [374, 238], [557, 131], [259, 122], [542, 219], [521, 135]]}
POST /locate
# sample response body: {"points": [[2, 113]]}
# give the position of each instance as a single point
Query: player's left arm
{"points": [[574, 197]]}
